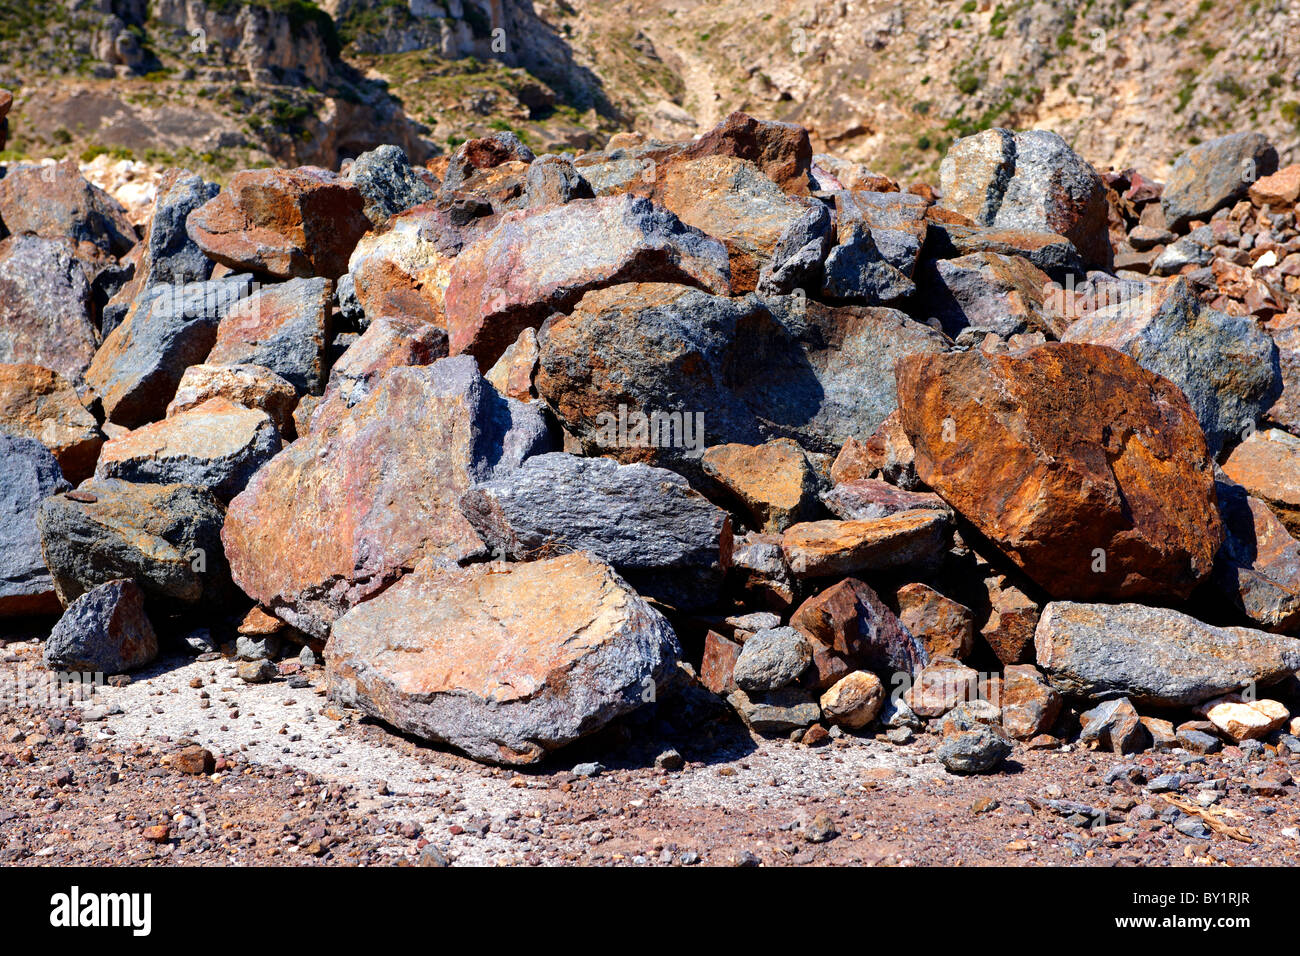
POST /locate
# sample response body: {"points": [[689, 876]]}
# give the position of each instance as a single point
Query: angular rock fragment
{"points": [[1212, 175], [1258, 567], [905, 539], [45, 307], [944, 627], [28, 475], [1029, 704], [249, 385], [1154, 656], [1279, 190], [1267, 465], [1245, 719], [1013, 615], [1085, 469], [513, 373], [778, 712], [850, 620], [987, 293], [56, 202], [669, 541], [486, 659], [782, 151], [1226, 365], [216, 446], [1115, 726], [38, 403], [105, 630], [164, 537], [285, 327], [940, 686], [771, 659], [866, 499], [282, 223], [719, 663], [978, 750], [387, 183], [367, 498], [775, 482]]}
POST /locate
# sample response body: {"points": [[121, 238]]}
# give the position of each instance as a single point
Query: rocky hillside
{"points": [[221, 84]]}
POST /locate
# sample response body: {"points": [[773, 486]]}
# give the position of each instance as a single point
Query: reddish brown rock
{"points": [[1267, 464], [282, 223], [940, 686], [821, 548], [775, 481], [849, 619], [45, 307], [1029, 705], [1088, 471], [513, 373], [366, 499], [38, 403], [1258, 567], [1280, 190], [484, 658], [249, 385], [719, 663], [782, 151], [887, 453], [1013, 616], [869, 498], [945, 627], [55, 202]]}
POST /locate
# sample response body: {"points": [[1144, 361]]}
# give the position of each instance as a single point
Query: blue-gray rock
{"points": [[1178, 255], [978, 750], [773, 658], [28, 475], [1028, 181], [350, 310], [167, 538], [105, 630], [665, 538], [1155, 656], [856, 271], [167, 329], [986, 292], [45, 307], [1227, 366], [387, 183], [1053, 254], [777, 712], [1114, 725], [1212, 175], [285, 327], [796, 261]]}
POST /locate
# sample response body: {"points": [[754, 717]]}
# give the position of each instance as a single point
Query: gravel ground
{"points": [[298, 781]]}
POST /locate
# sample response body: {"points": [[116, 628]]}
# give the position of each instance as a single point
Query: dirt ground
{"points": [[297, 781]]}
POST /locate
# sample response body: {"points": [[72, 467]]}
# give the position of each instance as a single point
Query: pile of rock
{"points": [[522, 444]]}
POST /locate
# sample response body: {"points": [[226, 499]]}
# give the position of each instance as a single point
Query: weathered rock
{"points": [[1279, 190], [719, 663], [985, 292], [887, 453], [285, 327], [854, 700], [388, 342], [167, 253], [45, 307], [1258, 567], [866, 499], [55, 202], [513, 373], [387, 183], [775, 482], [849, 619], [940, 686], [760, 567], [782, 151], [369, 497], [249, 385], [777, 713], [105, 630], [1154, 656], [906, 539], [1226, 365], [1028, 180], [28, 475], [1029, 705], [216, 446], [136, 371], [38, 403], [282, 223], [536, 262], [1013, 615], [485, 152], [669, 541], [796, 260], [164, 537], [771, 659], [1115, 726], [1085, 469], [1267, 465], [978, 750], [857, 270], [1212, 175], [485, 659], [1054, 255], [552, 180], [944, 627], [896, 221], [1245, 719]]}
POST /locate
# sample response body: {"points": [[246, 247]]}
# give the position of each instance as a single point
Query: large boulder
{"points": [[285, 327], [282, 223], [104, 631], [782, 151], [46, 307], [28, 475], [668, 540], [540, 261], [167, 538], [38, 403], [217, 446], [1088, 471], [1154, 656], [136, 371], [1212, 175], [367, 498], [506, 662], [1226, 365], [1028, 180], [56, 202]]}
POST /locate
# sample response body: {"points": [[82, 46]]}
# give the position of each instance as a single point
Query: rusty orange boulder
{"points": [[1088, 471], [487, 659]]}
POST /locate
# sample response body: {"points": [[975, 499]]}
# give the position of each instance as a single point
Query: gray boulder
{"points": [[105, 631], [978, 750], [45, 307], [285, 327], [773, 658], [664, 537], [387, 183], [28, 475], [1212, 175]]}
